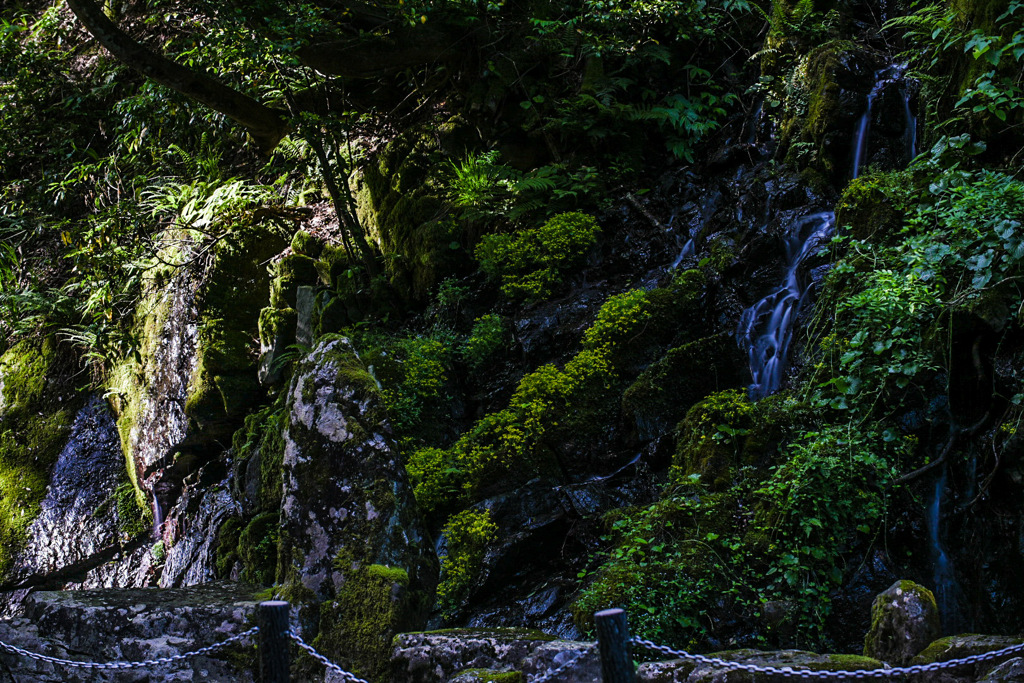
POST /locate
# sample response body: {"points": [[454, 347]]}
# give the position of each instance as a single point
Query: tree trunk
{"points": [[266, 126]]}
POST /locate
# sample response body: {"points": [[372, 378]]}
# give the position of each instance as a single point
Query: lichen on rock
{"points": [[904, 620], [352, 547]]}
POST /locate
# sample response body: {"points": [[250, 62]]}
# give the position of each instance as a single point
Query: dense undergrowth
{"points": [[423, 230]]}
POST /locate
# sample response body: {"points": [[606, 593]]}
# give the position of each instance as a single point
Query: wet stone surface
{"points": [[131, 625]]}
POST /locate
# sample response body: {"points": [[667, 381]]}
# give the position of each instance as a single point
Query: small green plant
{"points": [[490, 335], [467, 535], [531, 263]]}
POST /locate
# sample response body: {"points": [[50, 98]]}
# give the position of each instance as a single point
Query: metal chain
{"points": [[551, 673], [323, 660], [790, 672], [130, 665]]}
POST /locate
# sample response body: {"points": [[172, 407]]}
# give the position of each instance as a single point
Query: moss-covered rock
{"points": [[34, 427], [829, 84], [257, 548], [347, 506], [290, 273], [870, 207], [661, 395], [373, 605], [401, 202], [307, 245], [710, 438], [904, 620]]}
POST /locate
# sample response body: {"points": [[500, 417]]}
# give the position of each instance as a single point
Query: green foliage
{"points": [[413, 373], [262, 437], [531, 263], [960, 243], [133, 516], [466, 536], [990, 84], [490, 336], [551, 404], [619, 319], [257, 548], [696, 557]]}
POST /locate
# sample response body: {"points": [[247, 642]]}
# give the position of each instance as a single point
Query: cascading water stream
{"points": [[766, 328], [947, 590], [890, 76]]}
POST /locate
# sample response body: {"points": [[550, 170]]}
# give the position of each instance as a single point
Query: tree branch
{"points": [[266, 126]]}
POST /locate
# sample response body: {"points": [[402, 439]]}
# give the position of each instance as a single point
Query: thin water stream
{"points": [[766, 328], [947, 590], [891, 76]]}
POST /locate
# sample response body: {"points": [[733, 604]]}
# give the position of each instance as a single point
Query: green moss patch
{"points": [[32, 434], [370, 609]]}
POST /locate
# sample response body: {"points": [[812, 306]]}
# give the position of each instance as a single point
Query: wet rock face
{"points": [[162, 421], [79, 497], [192, 526], [904, 620], [87, 516], [350, 531], [133, 625], [442, 656]]}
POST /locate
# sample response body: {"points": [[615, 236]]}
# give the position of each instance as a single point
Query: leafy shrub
{"points": [[698, 558], [413, 372], [960, 242], [530, 264], [489, 336], [466, 535]]}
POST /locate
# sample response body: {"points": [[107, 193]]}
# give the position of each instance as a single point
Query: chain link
{"points": [[130, 665], [790, 672], [323, 660], [551, 673]]}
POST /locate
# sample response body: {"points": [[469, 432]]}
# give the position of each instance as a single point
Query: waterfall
{"points": [[947, 590], [766, 328], [891, 75]]}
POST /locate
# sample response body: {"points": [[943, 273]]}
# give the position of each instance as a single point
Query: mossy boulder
{"points": [[710, 438], [34, 427], [307, 245], [904, 620], [661, 395], [868, 209], [402, 204], [831, 80], [225, 384], [350, 532], [374, 602], [290, 273]]}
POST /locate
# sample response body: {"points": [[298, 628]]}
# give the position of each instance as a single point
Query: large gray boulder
{"points": [[904, 620], [353, 550]]}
